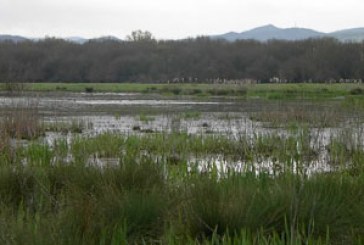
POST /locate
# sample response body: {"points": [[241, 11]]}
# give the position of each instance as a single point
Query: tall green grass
{"points": [[147, 198], [135, 204]]}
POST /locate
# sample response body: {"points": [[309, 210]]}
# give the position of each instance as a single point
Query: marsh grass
{"points": [[146, 118], [191, 115], [135, 203], [353, 104], [13, 88], [155, 196], [82, 204], [346, 150], [74, 127], [283, 92], [23, 123], [301, 91], [288, 206], [318, 116], [173, 148]]}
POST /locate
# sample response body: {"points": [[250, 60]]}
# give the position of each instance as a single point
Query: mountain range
{"points": [[269, 32], [263, 33]]}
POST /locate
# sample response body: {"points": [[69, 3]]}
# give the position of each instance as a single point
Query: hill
{"points": [[270, 32], [12, 38]]}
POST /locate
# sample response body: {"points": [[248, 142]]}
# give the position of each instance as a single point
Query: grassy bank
{"points": [[264, 91]]}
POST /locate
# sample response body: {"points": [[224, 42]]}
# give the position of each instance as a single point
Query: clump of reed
{"points": [[72, 204], [13, 88], [22, 122], [289, 206]]}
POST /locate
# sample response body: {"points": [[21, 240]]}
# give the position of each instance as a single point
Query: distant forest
{"points": [[191, 60]]}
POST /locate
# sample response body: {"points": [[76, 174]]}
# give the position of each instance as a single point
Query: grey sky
{"points": [[172, 18]]}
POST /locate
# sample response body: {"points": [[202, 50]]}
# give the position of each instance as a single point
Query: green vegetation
{"points": [[307, 91], [22, 123], [135, 203], [144, 118], [262, 91], [353, 103], [75, 126], [177, 188], [191, 115], [89, 89], [315, 115], [156, 194]]}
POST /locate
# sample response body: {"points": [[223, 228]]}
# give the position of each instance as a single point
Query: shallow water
{"points": [[67, 104], [124, 113]]}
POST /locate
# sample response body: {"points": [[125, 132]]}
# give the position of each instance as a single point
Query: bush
{"points": [[176, 91], [195, 91], [356, 91], [89, 89]]}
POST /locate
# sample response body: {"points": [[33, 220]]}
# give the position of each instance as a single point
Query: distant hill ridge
{"points": [[79, 40], [12, 38], [269, 32], [263, 33]]}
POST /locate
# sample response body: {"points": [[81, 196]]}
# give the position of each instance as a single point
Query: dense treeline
{"points": [[197, 60]]}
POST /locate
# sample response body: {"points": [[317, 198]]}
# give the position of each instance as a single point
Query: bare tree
{"points": [[139, 35]]}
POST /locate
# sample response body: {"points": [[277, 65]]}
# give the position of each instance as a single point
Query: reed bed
{"points": [[22, 122]]}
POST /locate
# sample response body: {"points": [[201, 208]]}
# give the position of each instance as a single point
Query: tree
{"points": [[142, 59], [139, 35]]}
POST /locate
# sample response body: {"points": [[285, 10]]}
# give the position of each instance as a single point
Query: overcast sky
{"points": [[170, 19]]}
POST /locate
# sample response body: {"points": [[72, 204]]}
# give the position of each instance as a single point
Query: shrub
{"points": [[356, 91], [176, 91], [89, 89]]}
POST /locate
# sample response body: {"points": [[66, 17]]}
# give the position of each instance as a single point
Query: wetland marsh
{"points": [[162, 168]]}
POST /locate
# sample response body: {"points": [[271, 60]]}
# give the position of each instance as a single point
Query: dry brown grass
{"points": [[15, 88], [22, 122]]}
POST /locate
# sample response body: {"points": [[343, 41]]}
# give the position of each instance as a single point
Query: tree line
{"points": [[200, 59]]}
